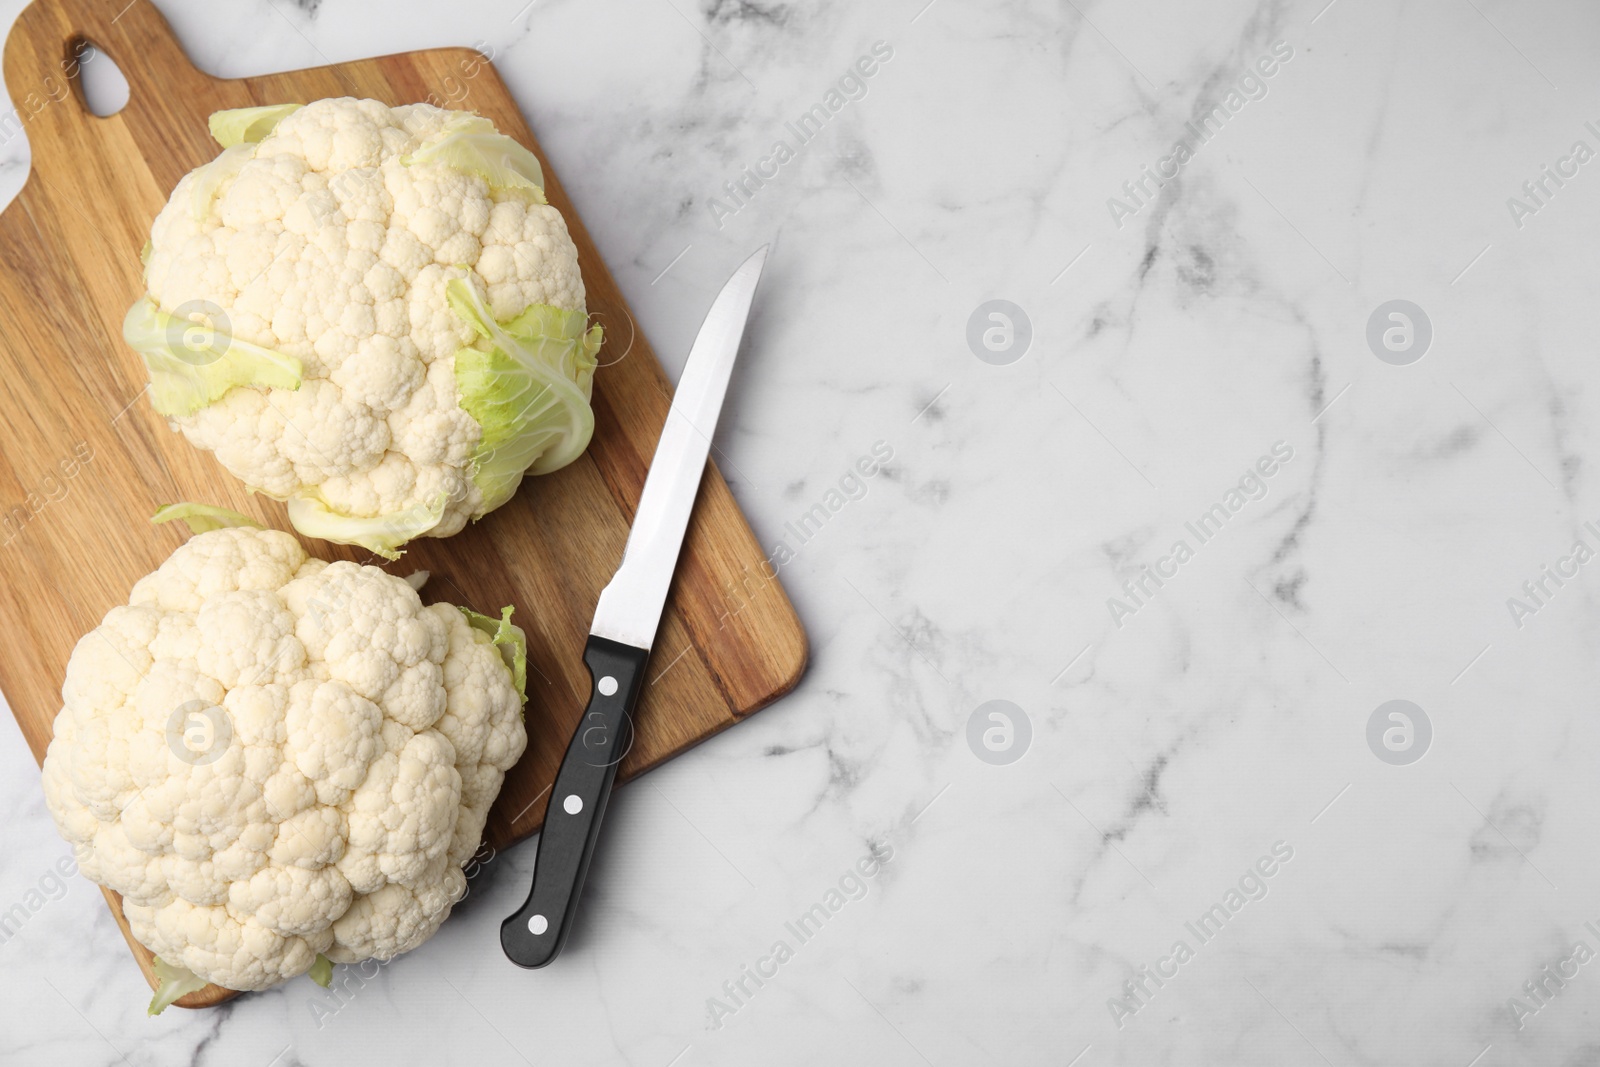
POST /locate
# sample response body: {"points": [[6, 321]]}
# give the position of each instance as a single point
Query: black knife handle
{"points": [[534, 935]]}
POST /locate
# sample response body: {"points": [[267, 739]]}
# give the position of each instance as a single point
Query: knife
{"points": [[624, 628]]}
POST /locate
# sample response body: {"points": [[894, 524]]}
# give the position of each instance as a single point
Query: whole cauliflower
{"points": [[270, 757], [370, 313]]}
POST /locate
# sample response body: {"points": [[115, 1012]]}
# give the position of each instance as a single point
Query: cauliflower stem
{"points": [[321, 971]]}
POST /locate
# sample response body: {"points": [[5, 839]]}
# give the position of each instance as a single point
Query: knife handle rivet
{"points": [[573, 804], [607, 686], [538, 924]]}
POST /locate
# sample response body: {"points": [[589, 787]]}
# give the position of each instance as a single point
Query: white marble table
{"points": [[1197, 766]]}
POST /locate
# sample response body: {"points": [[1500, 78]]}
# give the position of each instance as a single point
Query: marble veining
{"points": [[1224, 721]]}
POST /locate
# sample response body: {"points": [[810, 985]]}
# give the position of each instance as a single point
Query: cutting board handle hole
{"points": [[101, 84]]}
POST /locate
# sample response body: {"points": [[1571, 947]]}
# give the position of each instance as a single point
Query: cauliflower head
{"points": [[271, 756], [370, 313]]}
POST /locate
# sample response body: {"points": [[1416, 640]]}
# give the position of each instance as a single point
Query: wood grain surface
{"points": [[84, 460]]}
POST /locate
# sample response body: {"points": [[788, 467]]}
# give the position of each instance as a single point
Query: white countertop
{"points": [[1178, 738]]}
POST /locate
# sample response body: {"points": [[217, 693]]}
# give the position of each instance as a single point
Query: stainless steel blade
{"points": [[630, 606]]}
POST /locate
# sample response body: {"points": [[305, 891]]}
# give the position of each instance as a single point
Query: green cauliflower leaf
{"points": [[510, 639], [528, 389], [380, 534], [176, 981], [203, 518], [248, 125], [472, 144], [192, 364]]}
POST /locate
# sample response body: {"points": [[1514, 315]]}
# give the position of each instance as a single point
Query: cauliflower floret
{"points": [[271, 757], [332, 240]]}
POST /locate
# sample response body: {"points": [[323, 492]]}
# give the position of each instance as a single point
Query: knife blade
{"points": [[624, 629]]}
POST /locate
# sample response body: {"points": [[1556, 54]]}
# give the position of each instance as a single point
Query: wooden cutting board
{"points": [[84, 460]]}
